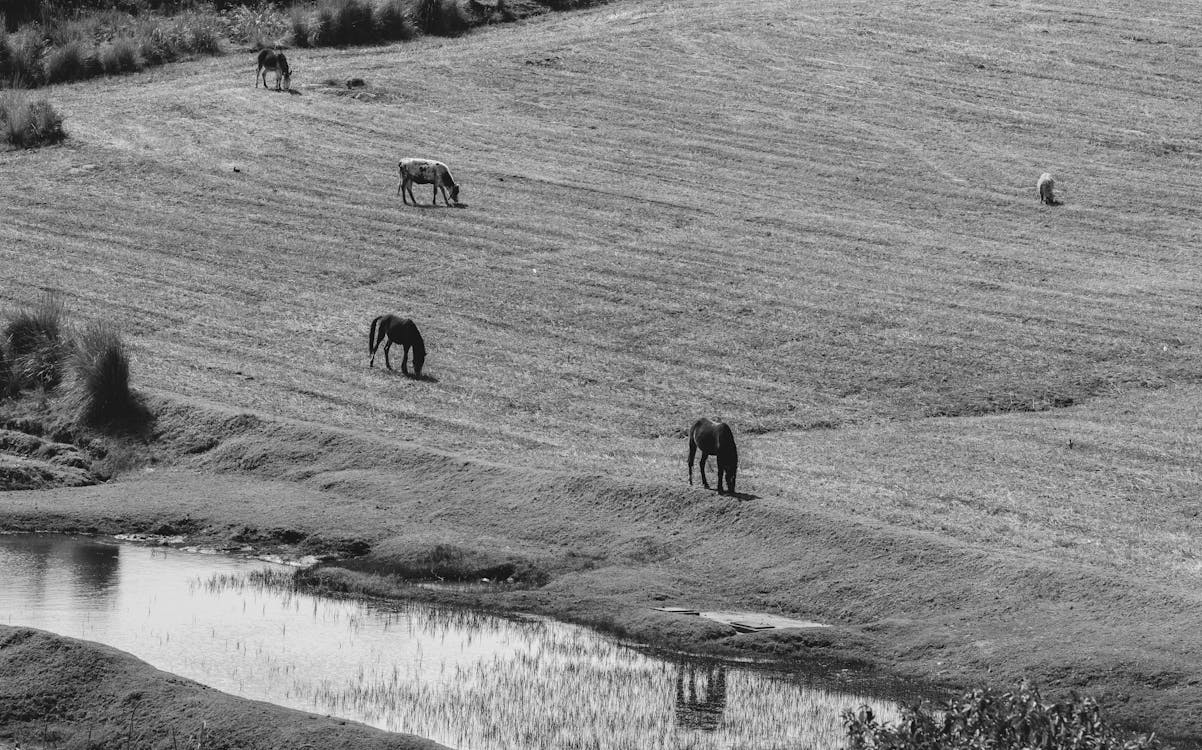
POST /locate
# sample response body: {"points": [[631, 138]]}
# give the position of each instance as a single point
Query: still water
{"points": [[465, 679]]}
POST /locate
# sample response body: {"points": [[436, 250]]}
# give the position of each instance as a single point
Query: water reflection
{"points": [[466, 679], [700, 696]]}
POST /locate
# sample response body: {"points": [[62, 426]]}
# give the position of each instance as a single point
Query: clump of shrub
{"points": [[27, 122], [392, 24], [119, 56], [441, 17], [21, 60], [66, 63], [984, 719], [37, 345], [351, 22], [101, 367], [259, 27]]}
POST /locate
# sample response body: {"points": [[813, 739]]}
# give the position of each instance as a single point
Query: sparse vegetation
{"points": [[984, 719]]}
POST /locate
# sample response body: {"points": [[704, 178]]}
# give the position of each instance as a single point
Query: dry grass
{"points": [[832, 222], [37, 342]]}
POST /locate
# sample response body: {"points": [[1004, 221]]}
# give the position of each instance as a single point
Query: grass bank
{"points": [[60, 45]]}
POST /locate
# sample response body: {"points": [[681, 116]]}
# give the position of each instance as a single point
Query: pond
{"points": [[465, 679]]}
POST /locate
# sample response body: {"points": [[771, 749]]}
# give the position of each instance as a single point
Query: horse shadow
{"points": [[740, 496], [294, 92], [424, 378]]}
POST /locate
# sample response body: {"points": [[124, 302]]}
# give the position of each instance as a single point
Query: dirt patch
{"points": [[63, 692]]}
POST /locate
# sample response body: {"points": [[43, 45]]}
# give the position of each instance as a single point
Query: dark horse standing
{"points": [[714, 438], [399, 331]]}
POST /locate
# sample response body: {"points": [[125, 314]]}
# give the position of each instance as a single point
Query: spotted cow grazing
{"points": [[274, 61], [426, 172], [1046, 187]]}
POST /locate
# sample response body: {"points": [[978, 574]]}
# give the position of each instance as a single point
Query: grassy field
{"points": [[967, 420]]}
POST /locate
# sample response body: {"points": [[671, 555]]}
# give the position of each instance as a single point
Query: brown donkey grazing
{"points": [[714, 438], [274, 61], [401, 331]]}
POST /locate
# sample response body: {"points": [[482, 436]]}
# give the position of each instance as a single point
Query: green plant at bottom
{"points": [[984, 719]]}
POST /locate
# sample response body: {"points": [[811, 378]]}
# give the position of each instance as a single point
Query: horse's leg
{"points": [[721, 473], [692, 455], [704, 481], [387, 346], [405, 359], [434, 194]]}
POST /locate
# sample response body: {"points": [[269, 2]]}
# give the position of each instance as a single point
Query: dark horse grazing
{"points": [[714, 438], [399, 331]]}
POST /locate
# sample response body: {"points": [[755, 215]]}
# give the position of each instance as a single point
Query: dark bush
{"points": [[391, 22], [322, 33], [120, 56], [984, 719], [102, 377], [28, 123], [300, 29], [6, 384], [22, 61], [353, 23], [441, 17], [66, 63]]}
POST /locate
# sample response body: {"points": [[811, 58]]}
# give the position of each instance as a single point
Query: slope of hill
{"points": [[967, 419]]}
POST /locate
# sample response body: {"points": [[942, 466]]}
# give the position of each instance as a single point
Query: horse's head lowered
{"points": [[419, 358]]}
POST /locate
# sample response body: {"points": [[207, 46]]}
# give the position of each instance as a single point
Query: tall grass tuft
{"points": [[441, 17], [6, 383], [37, 344], [1020, 718], [101, 367], [120, 56], [26, 122], [353, 23], [392, 23], [21, 66], [66, 63], [301, 33], [6, 57]]}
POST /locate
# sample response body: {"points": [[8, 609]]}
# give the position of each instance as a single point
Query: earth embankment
{"points": [[605, 551], [55, 689]]}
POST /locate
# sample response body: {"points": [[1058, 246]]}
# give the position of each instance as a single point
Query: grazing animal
{"points": [[401, 331], [273, 60], [714, 438], [426, 172], [1046, 186], [355, 83]]}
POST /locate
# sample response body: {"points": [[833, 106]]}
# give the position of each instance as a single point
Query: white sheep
{"points": [[426, 172], [1046, 185]]}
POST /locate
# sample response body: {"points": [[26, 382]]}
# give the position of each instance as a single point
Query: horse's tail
{"points": [[371, 335]]}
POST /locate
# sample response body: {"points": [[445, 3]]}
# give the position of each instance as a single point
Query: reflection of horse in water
{"points": [[701, 698]]}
